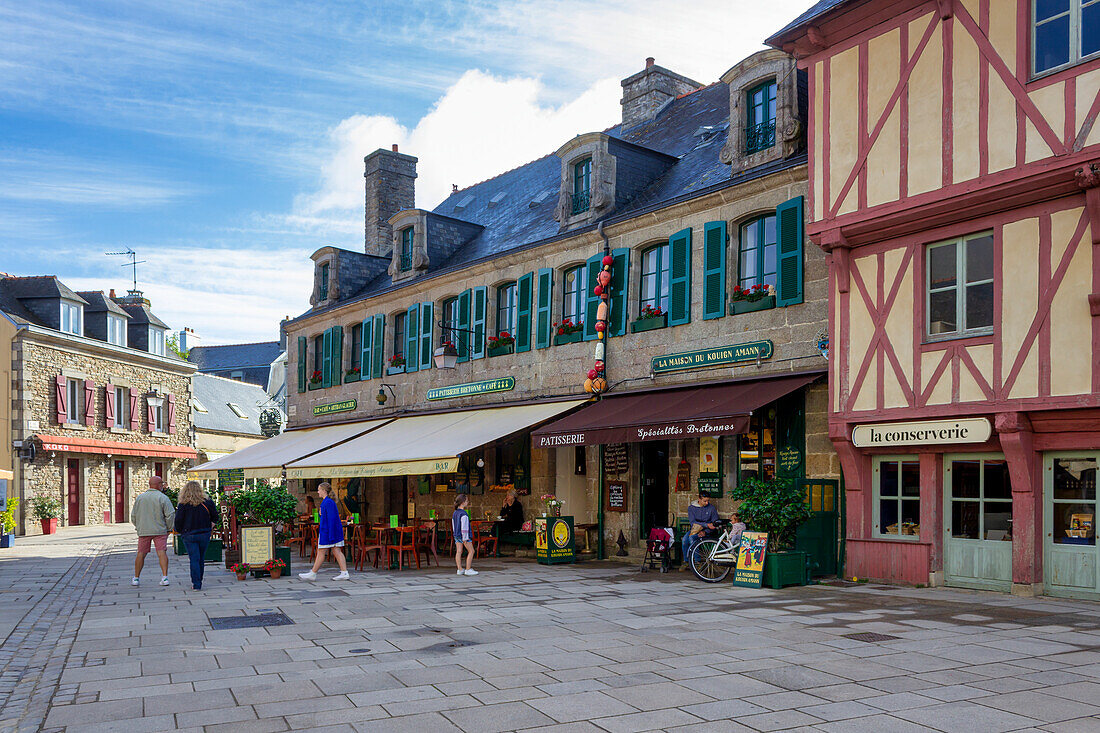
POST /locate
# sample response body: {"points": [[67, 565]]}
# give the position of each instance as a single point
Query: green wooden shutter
{"points": [[620, 291], [412, 338], [592, 302], [523, 312], [543, 317], [379, 344], [679, 278], [326, 359], [302, 363], [337, 354], [714, 270], [427, 328], [788, 237], [477, 323], [366, 361], [462, 335]]}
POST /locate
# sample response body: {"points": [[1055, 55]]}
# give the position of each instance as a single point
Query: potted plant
{"points": [[568, 332], [778, 508], [757, 298], [352, 375], [650, 318], [315, 380], [241, 570], [275, 567], [553, 505], [395, 364], [502, 343], [267, 503], [47, 509], [7, 524]]}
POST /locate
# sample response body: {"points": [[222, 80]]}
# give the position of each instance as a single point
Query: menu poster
{"points": [[257, 544], [616, 497], [750, 559]]}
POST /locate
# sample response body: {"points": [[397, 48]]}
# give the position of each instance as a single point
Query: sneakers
{"points": [[134, 580], [163, 580], [343, 576], [308, 575], [469, 572]]}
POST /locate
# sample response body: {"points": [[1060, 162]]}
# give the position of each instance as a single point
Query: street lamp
{"points": [[446, 356]]}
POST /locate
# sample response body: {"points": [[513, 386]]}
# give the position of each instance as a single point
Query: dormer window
{"points": [[406, 249], [322, 291], [71, 318], [156, 341], [582, 186], [760, 123], [116, 330]]}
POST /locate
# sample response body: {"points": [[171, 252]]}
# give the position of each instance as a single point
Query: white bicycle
{"points": [[713, 558]]}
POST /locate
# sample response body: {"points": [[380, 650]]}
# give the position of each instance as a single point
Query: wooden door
{"points": [[72, 484], [158, 470], [819, 535], [654, 493], [1071, 564], [120, 491], [977, 522]]}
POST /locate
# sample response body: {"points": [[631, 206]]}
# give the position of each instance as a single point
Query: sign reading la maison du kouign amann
{"points": [[721, 356], [923, 432]]}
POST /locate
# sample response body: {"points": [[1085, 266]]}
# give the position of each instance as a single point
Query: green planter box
{"points": [[784, 568], [213, 550], [569, 338], [391, 370], [500, 350], [648, 324], [744, 306], [316, 385]]}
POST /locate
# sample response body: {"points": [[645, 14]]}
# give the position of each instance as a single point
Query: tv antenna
{"points": [[131, 255]]}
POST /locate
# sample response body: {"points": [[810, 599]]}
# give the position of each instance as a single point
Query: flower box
{"points": [[492, 351], [784, 568], [648, 324], [747, 306], [568, 338], [390, 371], [352, 377], [316, 385]]}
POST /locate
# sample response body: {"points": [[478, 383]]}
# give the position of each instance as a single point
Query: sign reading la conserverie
{"points": [[924, 432], [723, 355], [505, 384]]}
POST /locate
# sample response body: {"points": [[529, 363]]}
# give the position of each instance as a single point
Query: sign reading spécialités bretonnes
{"points": [[734, 425], [924, 432], [721, 356]]}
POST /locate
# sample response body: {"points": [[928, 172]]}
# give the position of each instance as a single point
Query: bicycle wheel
{"points": [[704, 568]]}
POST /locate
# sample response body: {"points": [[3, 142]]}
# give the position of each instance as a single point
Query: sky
{"points": [[224, 141]]}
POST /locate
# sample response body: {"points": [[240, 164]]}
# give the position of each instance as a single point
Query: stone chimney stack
{"points": [[390, 187], [647, 91]]}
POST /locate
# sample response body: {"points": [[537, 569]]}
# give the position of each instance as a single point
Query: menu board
{"points": [[616, 497], [710, 484], [616, 459], [257, 544]]}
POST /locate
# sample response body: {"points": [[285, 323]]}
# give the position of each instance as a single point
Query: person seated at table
{"points": [[511, 513], [702, 516]]}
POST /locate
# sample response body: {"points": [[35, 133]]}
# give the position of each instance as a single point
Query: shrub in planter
{"points": [[773, 506], [265, 503], [47, 509]]}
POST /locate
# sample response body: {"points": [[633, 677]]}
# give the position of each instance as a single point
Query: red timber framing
{"points": [[926, 125]]}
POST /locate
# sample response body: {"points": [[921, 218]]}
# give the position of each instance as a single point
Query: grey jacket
{"points": [[153, 514]]}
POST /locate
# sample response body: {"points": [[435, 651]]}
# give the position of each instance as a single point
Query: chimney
{"points": [[112, 295], [188, 339], [390, 187], [282, 333], [647, 91]]}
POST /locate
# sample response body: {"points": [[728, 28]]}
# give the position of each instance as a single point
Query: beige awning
{"points": [[267, 458], [424, 443]]}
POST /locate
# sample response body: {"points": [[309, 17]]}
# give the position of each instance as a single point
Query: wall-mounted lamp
{"points": [[381, 396], [446, 356], [481, 463]]}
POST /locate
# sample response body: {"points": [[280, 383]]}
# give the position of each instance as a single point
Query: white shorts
{"points": [[325, 547]]}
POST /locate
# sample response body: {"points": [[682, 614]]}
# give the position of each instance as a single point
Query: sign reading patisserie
{"points": [[923, 432], [504, 384], [721, 356]]}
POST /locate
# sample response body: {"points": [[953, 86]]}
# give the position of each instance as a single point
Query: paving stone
{"points": [[1040, 706], [498, 718], [778, 720], [966, 717], [649, 720], [580, 706]]}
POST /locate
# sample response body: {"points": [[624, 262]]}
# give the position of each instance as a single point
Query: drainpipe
{"points": [[600, 502]]}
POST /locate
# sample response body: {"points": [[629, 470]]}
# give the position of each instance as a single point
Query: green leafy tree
{"points": [[173, 345], [776, 507], [7, 517], [265, 503]]}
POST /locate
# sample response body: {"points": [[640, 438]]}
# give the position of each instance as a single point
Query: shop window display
{"points": [[981, 500], [897, 498], [1074, 501], [513, 466], [756, 448]]}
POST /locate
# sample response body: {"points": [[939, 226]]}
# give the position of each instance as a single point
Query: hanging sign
{"points": [[750, 559], [372, 470], [257, 544], [231, 478], [924, 432], [789, 460], [344, 406], [721, 356], [504, 384], [271, 422]]}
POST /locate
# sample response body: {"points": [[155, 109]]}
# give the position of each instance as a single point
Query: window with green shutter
{"points": [[463, 343], [427, 329], [654, 285], [573, 294], [337, 367], [355, 349], [477, 322], [679, 278], [714, 270], [620, 289], [303, 364], [318, 356], [366, 358], [543, 315], [379, 351], [591, 301], [522, 333], [757, 253], [506, 309], [400, 332], [326, 359], [789, 234], [412, 338]]}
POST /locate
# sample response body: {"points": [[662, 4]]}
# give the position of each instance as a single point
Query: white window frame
{"points": [[158, 407], [116, 330], [122, 407], [1075, 11], [876, 497], [71, 318], [74, 393], [960, 286], [156, 341], [237, 410]]}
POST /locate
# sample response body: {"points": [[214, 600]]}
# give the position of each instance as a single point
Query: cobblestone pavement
{"points": [[592, 647]]}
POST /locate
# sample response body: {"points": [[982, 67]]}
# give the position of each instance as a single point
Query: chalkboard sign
{"points": [[710, 484], [789, 460], [616, 497], [615, 458]]}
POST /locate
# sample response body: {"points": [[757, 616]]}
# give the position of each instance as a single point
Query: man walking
{"points": [[152, 516]]}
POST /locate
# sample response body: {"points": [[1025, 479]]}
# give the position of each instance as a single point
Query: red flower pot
{"points": [[49, 526]]}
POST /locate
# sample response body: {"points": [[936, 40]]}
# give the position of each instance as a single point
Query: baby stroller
{"points": [[658, 549]]}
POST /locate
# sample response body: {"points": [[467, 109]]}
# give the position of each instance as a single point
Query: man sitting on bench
{"points": [[702, 517]]}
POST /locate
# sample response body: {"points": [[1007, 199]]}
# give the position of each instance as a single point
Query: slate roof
{"points": [[252, 359], [39, 286], [819, 8], [215, 394], [98, 302], [141, 314]]}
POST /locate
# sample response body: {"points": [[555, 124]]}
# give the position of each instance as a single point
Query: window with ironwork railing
{"points": [[406, 249], [760, 118], [582, 180]]}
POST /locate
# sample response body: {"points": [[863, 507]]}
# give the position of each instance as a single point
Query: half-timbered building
{"points": [[953, 184]]}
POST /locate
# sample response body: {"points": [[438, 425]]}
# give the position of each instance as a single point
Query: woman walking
{"points": [[195, 518], [460, 525], [330, 536]]}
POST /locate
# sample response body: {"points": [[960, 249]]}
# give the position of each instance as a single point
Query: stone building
{"points": [[692, 206], [226, 414], [97, 406]]}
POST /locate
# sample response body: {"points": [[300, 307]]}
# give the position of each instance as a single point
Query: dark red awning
{"points": [[684, 412]]}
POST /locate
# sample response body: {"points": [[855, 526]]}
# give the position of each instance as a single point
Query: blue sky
{"points": [[224, 141]]}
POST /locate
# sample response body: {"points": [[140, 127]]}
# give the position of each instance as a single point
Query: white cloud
{"points": [[43, 177], [482, 126]]}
